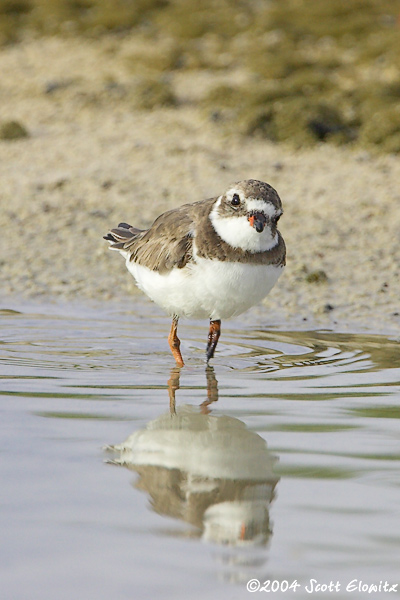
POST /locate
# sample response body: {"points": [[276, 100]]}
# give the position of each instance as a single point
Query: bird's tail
{"points": [[122, 237]]}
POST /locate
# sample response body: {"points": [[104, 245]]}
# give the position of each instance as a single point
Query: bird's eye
{"points": [[276, 218], [235, 200]]}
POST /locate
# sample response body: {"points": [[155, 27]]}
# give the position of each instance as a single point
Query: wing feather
{"points": [[167, 244]]}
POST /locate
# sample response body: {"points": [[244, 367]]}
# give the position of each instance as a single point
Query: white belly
{"points": [[208, 288]]}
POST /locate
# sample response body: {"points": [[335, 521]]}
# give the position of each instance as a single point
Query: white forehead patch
{"points": [[260, 206], [238, 233]]}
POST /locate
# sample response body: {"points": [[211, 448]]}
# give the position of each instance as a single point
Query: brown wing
{"points": [[167, 244]]}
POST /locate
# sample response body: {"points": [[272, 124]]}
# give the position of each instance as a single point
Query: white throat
{"points": [[238, 233]]}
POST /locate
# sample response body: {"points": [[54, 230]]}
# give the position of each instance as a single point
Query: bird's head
{"points": [[246, 215]]}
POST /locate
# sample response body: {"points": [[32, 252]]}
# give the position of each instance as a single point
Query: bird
{"points": [[213, 258]]}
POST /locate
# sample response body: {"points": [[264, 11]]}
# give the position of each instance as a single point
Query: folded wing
{"points": [[166, 245]]}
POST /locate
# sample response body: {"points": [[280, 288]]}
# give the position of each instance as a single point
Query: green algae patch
{"points": [[317, 277], [315, 71], [273, 112]]}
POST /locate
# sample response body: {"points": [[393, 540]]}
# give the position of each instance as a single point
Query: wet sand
{"points": [[93, 159]]}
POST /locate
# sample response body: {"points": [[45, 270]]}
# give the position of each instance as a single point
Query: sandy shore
{"points": [[93, 160]]}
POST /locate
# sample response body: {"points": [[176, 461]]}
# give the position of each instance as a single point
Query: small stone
{"points": [[60, 183], [13, 130], [53, 86], [98, 214], [107, 184], [328, 307]]}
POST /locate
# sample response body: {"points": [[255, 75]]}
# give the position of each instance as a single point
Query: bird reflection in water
{"points": [[209, 471]]}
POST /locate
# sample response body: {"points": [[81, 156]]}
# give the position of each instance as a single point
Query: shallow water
{"points": [[279, 463]]}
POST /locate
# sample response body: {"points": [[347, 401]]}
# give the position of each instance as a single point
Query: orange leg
{"points": [[213, 337], [174, 342]]}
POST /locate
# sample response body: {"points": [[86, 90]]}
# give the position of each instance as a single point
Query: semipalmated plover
{"points": [[211, 259]]}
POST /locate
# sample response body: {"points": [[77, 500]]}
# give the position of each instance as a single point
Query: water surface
{"points": [[123, 477]]}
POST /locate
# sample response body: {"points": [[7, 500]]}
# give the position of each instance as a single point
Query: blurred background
{"points": [[286, 70], [118, 110]]}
